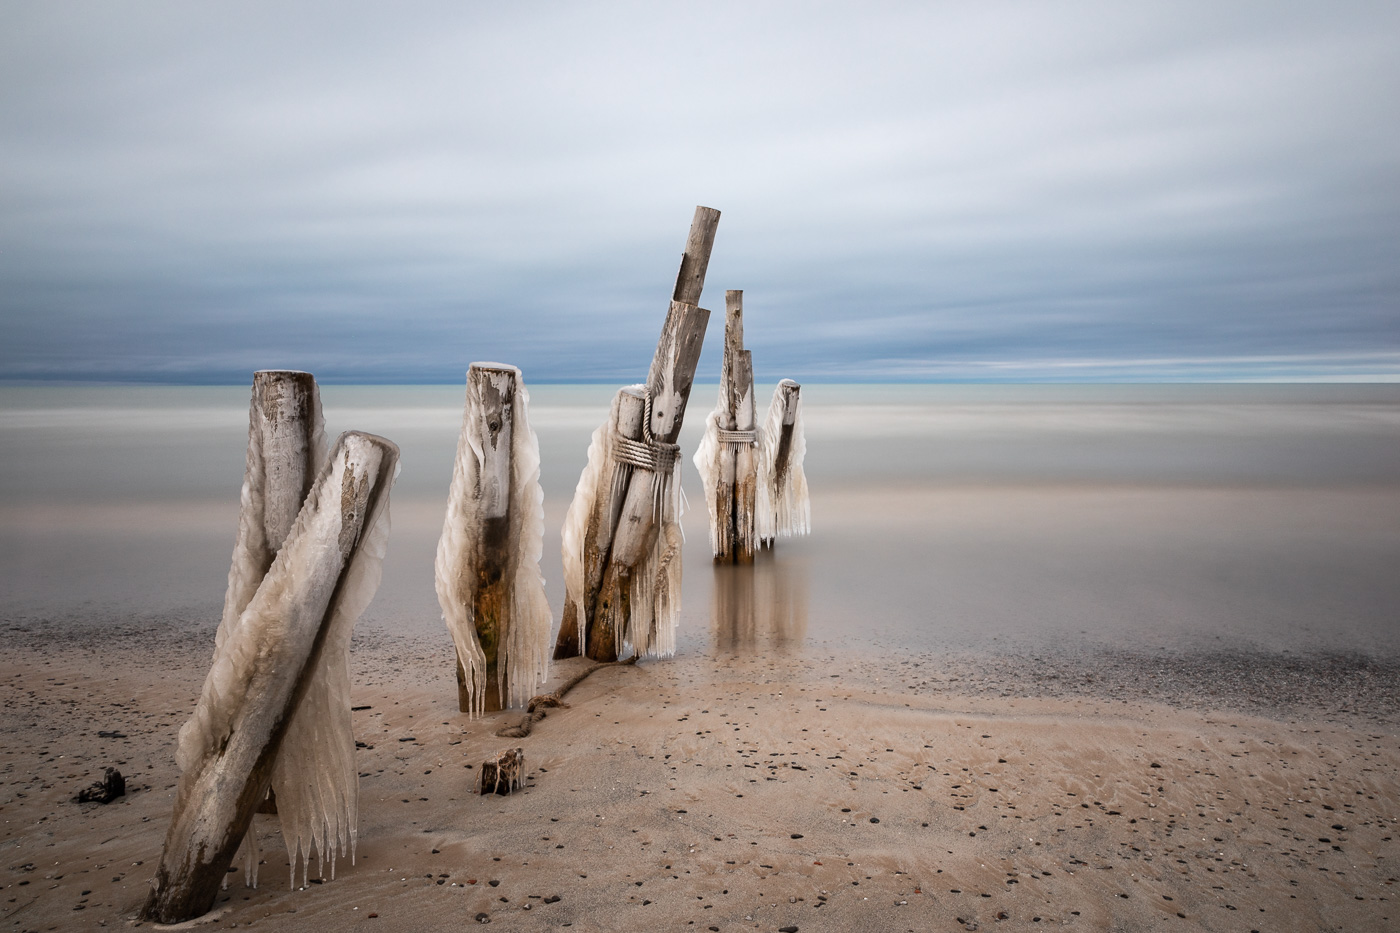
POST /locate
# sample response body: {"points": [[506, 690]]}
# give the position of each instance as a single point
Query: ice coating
{"points": [[783, 507], [656, 586], [319, 583], [576, 524], [707, 464], [473, 498], [655, 580], [314, 778]]}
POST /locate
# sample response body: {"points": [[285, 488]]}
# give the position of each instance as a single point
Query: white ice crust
{"points": [[523, 653], [784, 508]]}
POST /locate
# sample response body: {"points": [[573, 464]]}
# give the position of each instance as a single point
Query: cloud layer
{"points": [[910, 191]]}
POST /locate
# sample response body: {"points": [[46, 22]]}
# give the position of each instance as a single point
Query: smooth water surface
{"points": [[1024, 517]]}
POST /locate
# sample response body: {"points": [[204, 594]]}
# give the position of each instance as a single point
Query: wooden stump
{"points": [[628, 502], [285, 628], [502, 774], [483, 571]]}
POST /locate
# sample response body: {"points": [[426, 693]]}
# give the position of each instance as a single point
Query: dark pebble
{"points": [[797, 835], [874, 819]]}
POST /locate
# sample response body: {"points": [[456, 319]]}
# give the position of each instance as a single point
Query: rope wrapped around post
{"points": [[658, 457], [742, 438]]}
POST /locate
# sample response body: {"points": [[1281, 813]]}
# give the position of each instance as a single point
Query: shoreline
{"points": [[751, 791]]}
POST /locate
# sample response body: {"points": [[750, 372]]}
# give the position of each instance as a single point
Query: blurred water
{"points": [[944, 516]]}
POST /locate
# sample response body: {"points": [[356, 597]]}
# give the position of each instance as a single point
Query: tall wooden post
{"points": [[622, 521], [487, 571], [285, 628]]}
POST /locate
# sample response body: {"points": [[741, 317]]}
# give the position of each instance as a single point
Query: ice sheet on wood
{"points": [[314, 778], [784, 508], [655, 581], [523, 653], [707, 464], [320, 582]]}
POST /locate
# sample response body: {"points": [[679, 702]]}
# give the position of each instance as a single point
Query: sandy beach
{"points": [[725, 791]]}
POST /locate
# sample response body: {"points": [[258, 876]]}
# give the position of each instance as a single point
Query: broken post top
{"points": [[491, 404], [690, 281]]}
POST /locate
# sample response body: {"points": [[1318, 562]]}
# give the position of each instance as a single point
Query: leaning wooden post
{"points": [[726, 458], [633, 540], [488, 578], [324, 575], [784, 507]]}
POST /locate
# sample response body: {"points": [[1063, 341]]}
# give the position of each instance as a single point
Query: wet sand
{"points": [[729, 791]]}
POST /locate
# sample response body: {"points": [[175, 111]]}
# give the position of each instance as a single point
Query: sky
{"points": [[384, 193]]}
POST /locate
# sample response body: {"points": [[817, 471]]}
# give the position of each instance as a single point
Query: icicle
{"points": [[497, 402]]}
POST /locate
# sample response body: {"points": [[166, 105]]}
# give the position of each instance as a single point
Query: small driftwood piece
{"points": [[487, 569], [502, 774], [627, 549], [309, 580], [535, 711]]}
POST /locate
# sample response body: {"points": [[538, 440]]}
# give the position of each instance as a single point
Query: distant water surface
{"points": [[945, 517]]}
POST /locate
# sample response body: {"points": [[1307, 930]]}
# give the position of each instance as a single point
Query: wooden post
{"points": [[286, 441], [487, 570], [791, 395], [622, 518], [286, 623], [668, 386], [784, 505], [286, 408], [492, 390], [727, 457], [745, 463], [626, 419]]}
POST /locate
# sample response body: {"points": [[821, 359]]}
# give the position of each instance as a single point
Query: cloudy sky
{"points": [[386, 192]]}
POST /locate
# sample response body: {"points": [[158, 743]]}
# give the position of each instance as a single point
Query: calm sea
{"points": [[952, 517]]}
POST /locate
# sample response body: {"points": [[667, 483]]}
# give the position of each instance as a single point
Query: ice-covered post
{"points": [[622, 527], [488, 578], [726, 459], [784, 508], [322, 578]]}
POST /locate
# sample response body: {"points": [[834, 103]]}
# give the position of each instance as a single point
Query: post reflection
{"points": [[762, 603]]}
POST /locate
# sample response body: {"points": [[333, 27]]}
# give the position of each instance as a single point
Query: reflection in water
{"points": [[763, 603]]}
